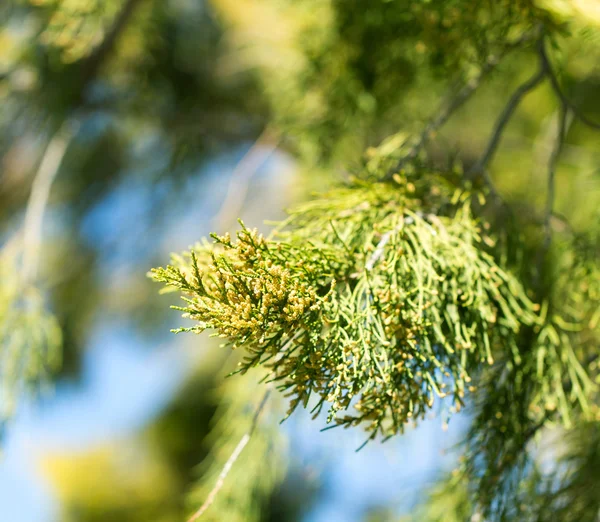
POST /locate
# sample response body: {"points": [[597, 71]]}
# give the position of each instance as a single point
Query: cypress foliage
{"points": [[417, 280], [393, 290], [378, 296]]}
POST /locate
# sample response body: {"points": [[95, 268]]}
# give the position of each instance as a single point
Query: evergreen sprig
{"points": [[376, 296]]}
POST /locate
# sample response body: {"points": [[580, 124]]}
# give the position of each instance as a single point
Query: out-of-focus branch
{"points": [[92, 64], [55, 151], [480, 168], [455, 102], [558, 90], [229, 210], [563, 122], [447, 109], [40, 191], [551, 188], [231, 460], [527, 436]]}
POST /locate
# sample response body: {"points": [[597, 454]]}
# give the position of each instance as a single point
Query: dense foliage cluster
{"points": [[76, 28], [376, 296]]}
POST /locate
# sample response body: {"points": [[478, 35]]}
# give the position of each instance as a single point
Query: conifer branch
{"points": [[447, 109], [231, 460], [58, 144], [558, 90], [315, 302], [453, 103], [480, 168], [522, 445], [560, 137], [379, 249]]}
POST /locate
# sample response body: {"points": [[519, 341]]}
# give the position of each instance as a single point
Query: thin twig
{"points": [[452, 104], [40, 191], [551, 188], [231, 460], [480, 168], [447, 109], [558, 90], [262, 148]]}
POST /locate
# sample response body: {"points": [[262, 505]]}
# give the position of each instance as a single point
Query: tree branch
{"points": [[453, 103], [40, 191], [527, 436], [558, 90], [560, 137], [231, 460], [57, 146], [446, 110], [549, 206], [480, 168]]}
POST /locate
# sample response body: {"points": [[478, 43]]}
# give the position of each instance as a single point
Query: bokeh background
{"points": [[168, 119]]}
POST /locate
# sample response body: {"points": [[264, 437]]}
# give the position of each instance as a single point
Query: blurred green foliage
{"points": [[30, 336], [160, 87]]}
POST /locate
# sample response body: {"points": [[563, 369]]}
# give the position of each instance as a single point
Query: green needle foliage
{"points": [[30, 338], [377, 297], [549, 374]]}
